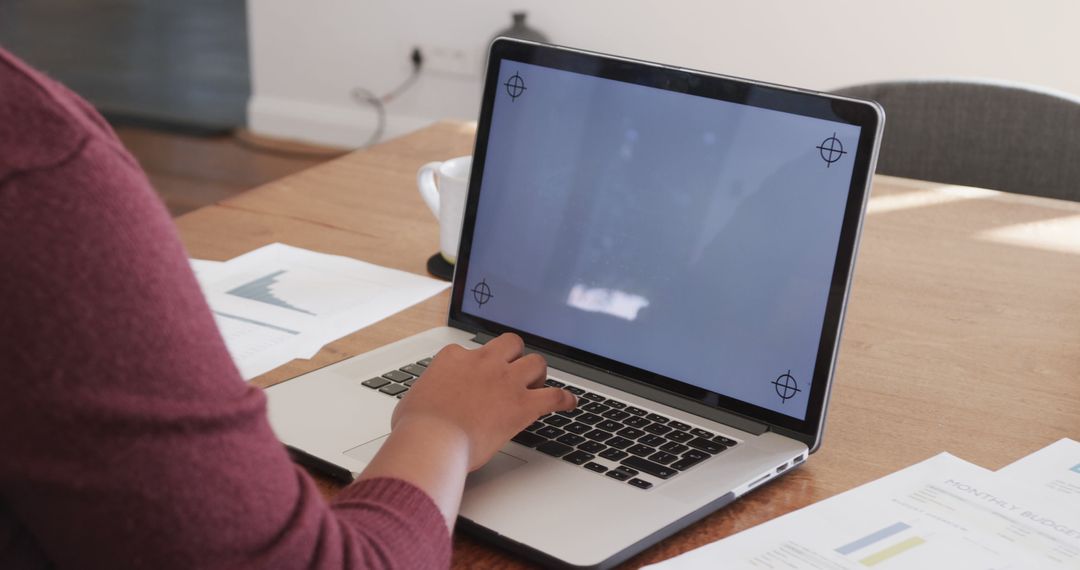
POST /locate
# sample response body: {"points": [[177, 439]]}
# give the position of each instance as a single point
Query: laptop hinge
{"points": [[646, 391]]}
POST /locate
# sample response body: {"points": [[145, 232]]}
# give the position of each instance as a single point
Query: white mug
{"points": [[443, 185]]}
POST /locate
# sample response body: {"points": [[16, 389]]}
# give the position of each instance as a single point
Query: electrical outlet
{"points": [[445, 60]]}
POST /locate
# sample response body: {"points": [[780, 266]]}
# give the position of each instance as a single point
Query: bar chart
{"points": [[882, 545]]}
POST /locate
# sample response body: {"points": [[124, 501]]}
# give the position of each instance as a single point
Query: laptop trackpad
{"points": [[499, 465], [365, 451]]}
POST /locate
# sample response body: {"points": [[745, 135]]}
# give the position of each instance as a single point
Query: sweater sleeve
{"points": [[129, 438]]}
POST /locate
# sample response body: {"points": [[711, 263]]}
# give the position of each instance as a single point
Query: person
{"points": [[129, 439]]}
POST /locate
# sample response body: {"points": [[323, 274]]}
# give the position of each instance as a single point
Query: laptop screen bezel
{"points": [[724, 88]]}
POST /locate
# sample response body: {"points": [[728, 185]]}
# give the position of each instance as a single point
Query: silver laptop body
{"points": [[681, 251]]}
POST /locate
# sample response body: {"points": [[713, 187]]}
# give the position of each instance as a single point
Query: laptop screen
{"points": [[687, 236]]}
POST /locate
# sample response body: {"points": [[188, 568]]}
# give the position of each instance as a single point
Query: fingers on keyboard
{"points": [[612, 438]]}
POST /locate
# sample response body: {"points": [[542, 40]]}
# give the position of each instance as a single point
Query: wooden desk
{"points": [[963, 328]]}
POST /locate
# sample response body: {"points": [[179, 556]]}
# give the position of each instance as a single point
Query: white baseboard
{"points": [[329, 125]]}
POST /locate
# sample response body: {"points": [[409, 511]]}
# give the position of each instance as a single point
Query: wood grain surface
{"points": [[189, 172], [962, 332]]}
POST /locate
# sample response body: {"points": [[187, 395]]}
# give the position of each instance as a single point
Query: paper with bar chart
{"points": [[280, 302], [941, 513], [1054, 470]]}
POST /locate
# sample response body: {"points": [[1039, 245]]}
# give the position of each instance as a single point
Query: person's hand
{"points": [[488, 394], [465, 406]]}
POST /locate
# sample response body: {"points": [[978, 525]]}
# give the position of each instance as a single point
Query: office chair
{"points": [[1007, 137]]}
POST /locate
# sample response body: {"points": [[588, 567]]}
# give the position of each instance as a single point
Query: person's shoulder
{"points": [[43, 122]]}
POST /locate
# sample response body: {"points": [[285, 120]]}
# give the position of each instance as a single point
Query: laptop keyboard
{"points": [[601, 434], [397, 382], [621, 441]]}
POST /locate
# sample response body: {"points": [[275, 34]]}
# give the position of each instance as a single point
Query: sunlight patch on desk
{"points": [[467, 128], [1060, 235], [923, 198]]}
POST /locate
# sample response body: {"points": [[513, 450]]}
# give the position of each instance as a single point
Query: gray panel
{"points": [[179, 62], [1006, 137]]}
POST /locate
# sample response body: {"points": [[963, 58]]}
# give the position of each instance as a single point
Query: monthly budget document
{"points": [[941, 513]]}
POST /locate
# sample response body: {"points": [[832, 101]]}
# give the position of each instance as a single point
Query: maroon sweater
{"points": [[127, 438]]}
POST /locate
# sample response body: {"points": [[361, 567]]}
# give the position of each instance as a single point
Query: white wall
{"points": [[308, 54]]}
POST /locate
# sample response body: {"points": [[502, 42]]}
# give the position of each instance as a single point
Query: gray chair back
{"points": [[1006, 137]]}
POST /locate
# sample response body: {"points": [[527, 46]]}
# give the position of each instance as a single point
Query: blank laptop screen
{"points": [[686, 236]]}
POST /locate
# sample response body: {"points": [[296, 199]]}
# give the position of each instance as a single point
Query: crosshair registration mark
{"points": [[481, 292], [515, 87], [786, 386], [831, 150]]}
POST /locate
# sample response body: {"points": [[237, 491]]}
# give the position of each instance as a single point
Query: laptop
{"points": [[679, 245]]}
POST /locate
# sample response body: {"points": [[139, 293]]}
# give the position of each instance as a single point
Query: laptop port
{"points": [[781, 469], [758, 481]]}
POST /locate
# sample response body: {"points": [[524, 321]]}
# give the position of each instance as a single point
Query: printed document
{"points": [[941, 513], [280, 302], [1054, 470]]}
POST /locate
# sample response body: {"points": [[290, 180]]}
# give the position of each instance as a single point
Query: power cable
{"points": [[360, 95], [364, 95]]}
